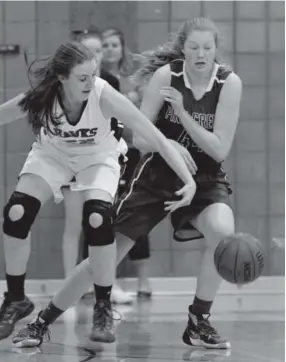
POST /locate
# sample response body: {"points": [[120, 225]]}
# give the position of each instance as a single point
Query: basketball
{"points": [[239, 258]]}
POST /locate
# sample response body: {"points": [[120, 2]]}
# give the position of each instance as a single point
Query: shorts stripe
{"points": [[134, 180]]}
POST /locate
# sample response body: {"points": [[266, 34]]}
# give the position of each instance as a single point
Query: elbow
{"points": [[218, 158], [220, 155], [220, 151]]}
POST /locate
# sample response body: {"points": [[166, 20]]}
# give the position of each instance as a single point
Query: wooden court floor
{"points": [[151, 332]]}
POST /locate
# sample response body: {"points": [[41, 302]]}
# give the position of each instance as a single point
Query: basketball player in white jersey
{"points": [[73, 245], [194, 100], [70, 110]]}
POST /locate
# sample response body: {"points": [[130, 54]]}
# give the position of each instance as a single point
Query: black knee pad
{"points": [[104, 234], [20, 228]]}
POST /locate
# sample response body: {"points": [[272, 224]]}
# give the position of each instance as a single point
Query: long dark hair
{"points": [[45, 85]]}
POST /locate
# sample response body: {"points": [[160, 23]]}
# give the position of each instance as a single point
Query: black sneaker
{"points": [[33, 334], [103, 325], [199, 332], [12, 312]]}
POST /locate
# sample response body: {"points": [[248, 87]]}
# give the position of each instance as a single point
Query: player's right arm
{"points": [[11, 111], [113, 104], [151, 105]]}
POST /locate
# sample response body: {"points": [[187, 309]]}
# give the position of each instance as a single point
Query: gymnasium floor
{"points": [[150, 331]]}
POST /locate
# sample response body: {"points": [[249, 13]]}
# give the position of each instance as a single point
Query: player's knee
{"points": [[223, 228], [16, 212], [218, 232], [19, 214], [217, 229], [95, 220], [98, 223]]}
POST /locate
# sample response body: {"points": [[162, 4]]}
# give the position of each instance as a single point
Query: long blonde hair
{"points": [[172, 50]]}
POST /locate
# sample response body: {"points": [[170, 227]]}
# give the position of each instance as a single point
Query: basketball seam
{"points": [[220, 257], [235, 264], [253, 260]]}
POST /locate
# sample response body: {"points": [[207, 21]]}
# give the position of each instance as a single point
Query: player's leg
{"points": [[42, 176], [76, 284], [99, 184], [118, 295], [215, 222], [140, 257], [19, 214], [81, 278], [73, 202], [137, 212], [99, 233], [74, 287]]}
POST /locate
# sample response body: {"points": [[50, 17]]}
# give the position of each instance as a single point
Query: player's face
{"points": [[200, 51], [80, 81], [112, 49], [95, 46]]}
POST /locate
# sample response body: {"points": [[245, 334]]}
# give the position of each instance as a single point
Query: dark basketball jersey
{"points": [[202, 111]]}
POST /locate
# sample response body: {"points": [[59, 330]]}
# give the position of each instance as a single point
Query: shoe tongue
{"points": [[41, 320], [197, 317], [102, 303]]}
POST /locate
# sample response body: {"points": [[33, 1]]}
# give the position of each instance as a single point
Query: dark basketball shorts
{"points": [[141, 207]]}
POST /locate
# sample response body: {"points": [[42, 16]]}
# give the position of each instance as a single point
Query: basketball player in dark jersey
{"points": [[197, 107], [195, 102]]}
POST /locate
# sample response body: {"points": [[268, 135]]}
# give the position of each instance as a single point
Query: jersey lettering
{"points": [[170, 115], [79, 133]]}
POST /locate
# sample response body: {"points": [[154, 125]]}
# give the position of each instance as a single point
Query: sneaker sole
{"points": [[27, 343], [129, 302], [199, 343], [102, 340], [25, 314]]}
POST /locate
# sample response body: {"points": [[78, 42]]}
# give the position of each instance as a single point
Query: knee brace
{"points": [[17, 223], [101, 231]]}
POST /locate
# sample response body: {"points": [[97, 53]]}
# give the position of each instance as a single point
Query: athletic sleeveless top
{"points": [[202, 111], [92, 132]]}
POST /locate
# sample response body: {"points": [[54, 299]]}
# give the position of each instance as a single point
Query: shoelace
{"points": [[38, 329], [103, 315], [205, 325], [4, 305]]}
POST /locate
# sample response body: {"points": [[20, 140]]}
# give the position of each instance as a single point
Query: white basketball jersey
{"points": [[91, 131]]}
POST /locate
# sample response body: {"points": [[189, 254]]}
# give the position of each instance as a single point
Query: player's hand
{"points": [[192, 167], [187, 192], [174, 97]]}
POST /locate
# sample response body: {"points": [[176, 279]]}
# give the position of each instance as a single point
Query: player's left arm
{"points": [[216, 144], [114, 104]]}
